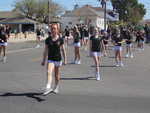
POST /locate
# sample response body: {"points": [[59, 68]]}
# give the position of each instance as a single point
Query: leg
{"points": [[50, 68], [57, 79]]}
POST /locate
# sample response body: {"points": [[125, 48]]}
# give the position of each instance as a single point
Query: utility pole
{"points": [[48, 12], [104, 6]]}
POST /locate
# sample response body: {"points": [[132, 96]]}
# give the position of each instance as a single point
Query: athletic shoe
{"points": [[127, 55], [131, 56], [47, 91], [117, 65], [78, 62], [4, 59], [121, 64], [98, 76], [38, 46], [1, 58], [56, 89]]}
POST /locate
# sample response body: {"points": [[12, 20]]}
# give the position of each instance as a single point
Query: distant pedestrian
{"points": [[3, 43], [77, 45]]}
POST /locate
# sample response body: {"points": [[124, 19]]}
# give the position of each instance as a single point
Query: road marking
{"points": [[36, 59], [20, 50]]}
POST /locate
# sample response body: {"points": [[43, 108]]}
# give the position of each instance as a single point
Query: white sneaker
{"points": [[131, 56], [47, 91], [121, 64], [4, 59], [127, 55], [98, 76], [79, 62], [56, 89], [117, 65], [38, 46]]}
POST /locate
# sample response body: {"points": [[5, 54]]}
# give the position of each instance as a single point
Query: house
{"points": [[87, 15], [17, 21]]}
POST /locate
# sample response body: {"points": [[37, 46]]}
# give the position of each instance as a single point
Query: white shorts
{"points": [[141, 42], [56, 63], [129, 45], [99, 54], [86, 38], [77, 44], [4, 44], [117, 48]]}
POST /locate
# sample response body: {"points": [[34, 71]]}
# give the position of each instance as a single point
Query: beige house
{"points": [[87, 15], [17, 21]]}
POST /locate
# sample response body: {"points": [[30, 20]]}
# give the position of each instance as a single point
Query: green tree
{"points": [[38, 9], [129, 10]]}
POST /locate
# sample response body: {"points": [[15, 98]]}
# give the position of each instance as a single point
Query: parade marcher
{"points": [[77, 45], [96, 48], [105, 37], [38, 38], [140, 40], [67, 35], [129, 44], [117, 40], [3, 43], [54, 44], [86, 37]]}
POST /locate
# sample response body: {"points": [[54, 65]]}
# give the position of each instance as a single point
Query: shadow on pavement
{"points": [[105, 66], [30, 95], [84, 78]]}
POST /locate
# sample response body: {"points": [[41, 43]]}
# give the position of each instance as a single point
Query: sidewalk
{"points": [[22, 38]]}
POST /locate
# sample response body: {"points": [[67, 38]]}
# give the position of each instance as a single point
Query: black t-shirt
{"points": [[54, 51], [96, 43], [86, 33], [76, 37], [66, 32], [3, 37], [129, 38], [117, 39], [38, 32], [105, 39]]}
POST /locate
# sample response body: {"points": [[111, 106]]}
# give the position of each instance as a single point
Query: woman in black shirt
{"points": [[118, 40], [77, 45], [53, 46], [3, 43], [96, 48]]}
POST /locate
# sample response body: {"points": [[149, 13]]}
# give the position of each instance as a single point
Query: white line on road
{"points": [[20, 50]]}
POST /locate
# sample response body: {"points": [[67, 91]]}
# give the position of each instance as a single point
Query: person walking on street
{"points": [[53, 46]]}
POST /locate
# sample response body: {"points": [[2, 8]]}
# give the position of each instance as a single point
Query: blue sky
{"points": [[6, 5]]}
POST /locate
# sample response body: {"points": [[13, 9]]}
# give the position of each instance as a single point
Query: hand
{"points": [[43, 63]]}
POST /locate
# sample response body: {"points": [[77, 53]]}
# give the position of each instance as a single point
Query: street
{"points": [[121, 90]]}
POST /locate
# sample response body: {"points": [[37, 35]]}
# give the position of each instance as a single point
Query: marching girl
{"points": [[77, 45], [140, 40], [117, 40], [86, 36], [129, 44], [3, 43], [54, 44], [106, 41], [96, 48]]}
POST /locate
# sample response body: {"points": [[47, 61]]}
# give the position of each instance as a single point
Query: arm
{"points": [[64, 54], [45, 53]]}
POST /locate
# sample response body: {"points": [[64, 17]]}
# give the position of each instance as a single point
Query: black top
{"points": [[3, 37], [96, 44], [117, 39], [128, 38], [86, 33], [76, 37], [54, 51], [105, 39], [66, 32], [38, 32], [139, 36]]}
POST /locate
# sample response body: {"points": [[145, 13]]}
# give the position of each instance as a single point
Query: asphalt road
{"points": [[122, 90]]}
